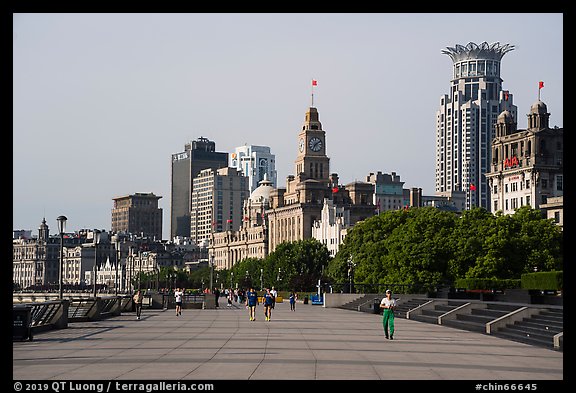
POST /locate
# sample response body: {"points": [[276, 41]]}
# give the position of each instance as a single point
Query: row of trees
{"points": [[418, 248], [433, 247]]}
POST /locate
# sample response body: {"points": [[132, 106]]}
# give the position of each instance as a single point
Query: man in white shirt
{"points": [[388, 304], [178, 295]]}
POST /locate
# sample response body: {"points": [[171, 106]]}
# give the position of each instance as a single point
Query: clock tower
{"points": [[312, 161]]}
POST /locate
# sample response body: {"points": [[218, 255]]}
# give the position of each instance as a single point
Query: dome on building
{"points": [[505, 117], [262, 192], [539, 107]]}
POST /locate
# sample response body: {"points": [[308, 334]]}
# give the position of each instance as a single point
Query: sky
{"points": [[102, 101]]}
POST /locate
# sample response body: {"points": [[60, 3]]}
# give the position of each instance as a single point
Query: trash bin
{"points": [[377, 307], [305, 299], [22, 321]]}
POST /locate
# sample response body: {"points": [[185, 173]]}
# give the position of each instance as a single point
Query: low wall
{"points": [[339, 299]]}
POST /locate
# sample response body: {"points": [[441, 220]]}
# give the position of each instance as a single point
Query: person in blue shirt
{"points": [[293, 298], [251, 302], [268, 304]]}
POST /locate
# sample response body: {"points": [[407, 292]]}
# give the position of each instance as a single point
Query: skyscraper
{"points": [[254, 162], [217, 202], [197, 155], [466, 118]]}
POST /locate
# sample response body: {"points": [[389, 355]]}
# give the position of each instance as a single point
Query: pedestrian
{"points": [[138, 297], [388, 304], [268, 304], [216, 293], [178, 296], [230, 297], [274, 294], [293, 296], [251, 302]]}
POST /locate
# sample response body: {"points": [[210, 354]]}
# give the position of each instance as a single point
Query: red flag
{"points": [[506, 95], [334, 190], [315, 82], [472, 187], [540, 85], [230, 220]]}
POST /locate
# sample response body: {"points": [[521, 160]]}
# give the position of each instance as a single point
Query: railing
{"points": [[43, 314]]}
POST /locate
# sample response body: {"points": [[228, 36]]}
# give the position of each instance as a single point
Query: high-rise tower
{"points": [[466, 118], [197, 155]]}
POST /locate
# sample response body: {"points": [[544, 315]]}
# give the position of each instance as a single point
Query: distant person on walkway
{"points": [[293, 297], [388, 304], [178, 297], [251, 302], [230, 297], [268, 304], [216, 293], [138, 297], [274, 293]]}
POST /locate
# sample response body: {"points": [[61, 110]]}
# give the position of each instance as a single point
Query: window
{"points": [[495, 189], [559, 181]]}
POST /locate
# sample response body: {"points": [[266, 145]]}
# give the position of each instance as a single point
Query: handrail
{"points": [[369, 301]]}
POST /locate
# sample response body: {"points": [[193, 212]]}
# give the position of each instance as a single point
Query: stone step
{"points": [[529, 331], [532, 340], [465, 325]]}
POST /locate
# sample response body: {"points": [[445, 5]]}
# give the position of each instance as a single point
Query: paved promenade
{"points": [[312, 343]]}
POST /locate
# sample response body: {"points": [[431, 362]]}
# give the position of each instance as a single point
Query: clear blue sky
{"points": [[102, 101]]}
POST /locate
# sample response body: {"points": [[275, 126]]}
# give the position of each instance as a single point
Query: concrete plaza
{"points": [[312, 343]]}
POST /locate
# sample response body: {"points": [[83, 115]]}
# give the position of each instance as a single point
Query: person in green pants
{"points": [[388, 304]]}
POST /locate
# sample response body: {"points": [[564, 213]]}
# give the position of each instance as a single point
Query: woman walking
{"points": [[388, 304]]}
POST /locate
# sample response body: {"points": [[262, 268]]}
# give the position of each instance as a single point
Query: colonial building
{"points": [[294, 209], [138, 213], [251, 240], [527, 165], [332, 226], [388, 191]]}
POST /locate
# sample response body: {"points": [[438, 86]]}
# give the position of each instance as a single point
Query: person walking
{"points": [[230, 297], [138, 297], [251, 302], [178, 296], [216, 293], [274, 293], [388, 304], [292, 298], [268, 304]]}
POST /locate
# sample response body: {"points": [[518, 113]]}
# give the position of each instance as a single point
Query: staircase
{"points": [[539, 329], [431, 316], [403, 307], [365, 303], [478, 318]]}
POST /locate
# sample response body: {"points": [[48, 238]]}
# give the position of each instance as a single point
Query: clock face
{"points": [[301, 145], [315, 144]]}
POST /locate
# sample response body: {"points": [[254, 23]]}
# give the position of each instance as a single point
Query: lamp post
{"points": [[351, 265], [231, 279], [261, 279], [278, 277], [96, 240], [61, 227], [116, 279], [211, 271]]}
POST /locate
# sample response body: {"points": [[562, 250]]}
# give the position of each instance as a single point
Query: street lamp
{"points": [[61, 226], [278, 276], [116, 279], [261, 279], [211, 271], [351, 266], [231, 279], [96, 241]]}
